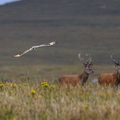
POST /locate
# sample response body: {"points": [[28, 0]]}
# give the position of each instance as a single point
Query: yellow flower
{"points": [[33, 92], [1, 85], [45, 84]]}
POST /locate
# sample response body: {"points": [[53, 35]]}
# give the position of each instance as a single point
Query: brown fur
{"points": [[109, 78], [74, 79]]}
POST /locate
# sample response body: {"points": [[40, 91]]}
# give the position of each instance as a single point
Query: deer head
{"points": [[87, 63]]}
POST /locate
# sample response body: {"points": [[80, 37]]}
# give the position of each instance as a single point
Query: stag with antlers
{"points": [[75, 79], [111, 78]]}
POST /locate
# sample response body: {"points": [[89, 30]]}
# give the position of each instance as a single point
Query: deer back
{"points": [[107, 78], [70, 79]]}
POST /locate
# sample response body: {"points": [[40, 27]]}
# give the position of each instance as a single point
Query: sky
{"points": [[3, 2]]}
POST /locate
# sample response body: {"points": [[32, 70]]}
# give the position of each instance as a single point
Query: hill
{"points": [[77, 26]]}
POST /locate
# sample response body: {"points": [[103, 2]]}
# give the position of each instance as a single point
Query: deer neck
{"points": [[84, 76]]}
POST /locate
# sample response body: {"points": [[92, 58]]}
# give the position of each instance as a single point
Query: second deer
{"points": [[111, 78]]}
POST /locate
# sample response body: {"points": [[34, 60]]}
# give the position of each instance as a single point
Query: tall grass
{"points": [[25, 96], [37, 102]]}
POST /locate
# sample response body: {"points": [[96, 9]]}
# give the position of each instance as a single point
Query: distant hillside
{"points": [[34, 9], [77, 26]]}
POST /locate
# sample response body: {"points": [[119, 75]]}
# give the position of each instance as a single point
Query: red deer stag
{"points": [[111, 78], [75, 79]]}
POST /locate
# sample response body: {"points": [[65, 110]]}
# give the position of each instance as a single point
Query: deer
{"points": [[112, 78], [77, 79]]}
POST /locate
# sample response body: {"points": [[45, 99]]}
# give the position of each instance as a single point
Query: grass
{"points": [[25, 95], [36, 102]]}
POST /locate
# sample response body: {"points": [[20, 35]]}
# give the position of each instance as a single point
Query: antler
{"points": [[80, 58], [89, 59], [116, 62], [84, 61]]}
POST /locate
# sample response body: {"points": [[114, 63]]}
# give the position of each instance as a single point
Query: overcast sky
{"points": [[3, 2]]}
